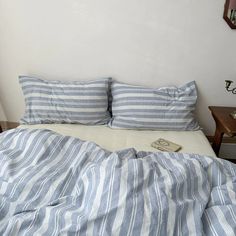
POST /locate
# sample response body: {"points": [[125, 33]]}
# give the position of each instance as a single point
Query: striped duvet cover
{"points": [[56, 185]]}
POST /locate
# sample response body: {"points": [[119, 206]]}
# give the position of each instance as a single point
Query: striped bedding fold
{"points": [[58, 185]]}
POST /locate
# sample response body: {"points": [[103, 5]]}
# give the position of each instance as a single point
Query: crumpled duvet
{"points": [[58, 185]]}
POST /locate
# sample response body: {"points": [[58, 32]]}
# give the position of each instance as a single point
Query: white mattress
{"points": [[113, 140]]}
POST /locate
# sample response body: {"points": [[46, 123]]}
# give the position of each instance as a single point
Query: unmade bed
{"points": [[101, 176]]}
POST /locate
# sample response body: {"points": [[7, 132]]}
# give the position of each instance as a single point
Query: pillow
{"points": [[166, 108], [65, 102]]}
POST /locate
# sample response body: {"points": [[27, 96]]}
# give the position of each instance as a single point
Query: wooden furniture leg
{"points": [[217, 140]]}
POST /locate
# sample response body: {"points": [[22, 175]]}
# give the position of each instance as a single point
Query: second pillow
{"points": [[166, 108]]}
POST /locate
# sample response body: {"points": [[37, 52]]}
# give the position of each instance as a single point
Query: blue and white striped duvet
{"points": [[56, 185]]}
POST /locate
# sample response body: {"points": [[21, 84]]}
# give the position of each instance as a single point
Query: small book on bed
{"points": [[166, 145]]}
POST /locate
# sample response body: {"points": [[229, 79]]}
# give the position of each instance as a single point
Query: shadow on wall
{"points": [[2, 114]]}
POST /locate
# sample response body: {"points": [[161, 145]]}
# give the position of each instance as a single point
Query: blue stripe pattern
{"points": [[166, 108], [65, 102], [58, 185]]}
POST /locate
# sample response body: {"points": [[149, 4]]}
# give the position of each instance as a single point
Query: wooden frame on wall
{"points": [[230, 13]]}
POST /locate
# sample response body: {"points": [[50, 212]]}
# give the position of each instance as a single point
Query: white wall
{"points": [[2, 113], [153, 43]]}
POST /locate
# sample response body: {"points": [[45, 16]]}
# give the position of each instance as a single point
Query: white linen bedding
{"points": [[113, 140]]}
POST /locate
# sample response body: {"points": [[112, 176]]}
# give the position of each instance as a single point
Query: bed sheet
{"points": [[113, 139]]}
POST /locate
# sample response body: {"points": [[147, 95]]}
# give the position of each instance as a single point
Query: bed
{"points": [[95, 179]]}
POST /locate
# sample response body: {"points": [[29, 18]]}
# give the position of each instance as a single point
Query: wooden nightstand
{"points": [[6, 125], [225, 124]]}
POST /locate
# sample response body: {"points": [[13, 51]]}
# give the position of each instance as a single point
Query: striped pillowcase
{"points": [[166, 108], [65, 102]]}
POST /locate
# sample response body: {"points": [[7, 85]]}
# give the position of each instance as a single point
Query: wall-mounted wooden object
{"points": [[230, 13]]}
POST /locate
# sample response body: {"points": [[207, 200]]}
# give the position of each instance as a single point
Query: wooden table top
{"points": [[5, 125], [222, 115]]}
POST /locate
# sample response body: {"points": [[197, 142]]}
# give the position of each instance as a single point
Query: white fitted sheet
{"points": [[113, 139]]}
